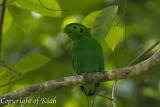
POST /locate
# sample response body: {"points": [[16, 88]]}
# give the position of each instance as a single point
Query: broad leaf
{"points": [[4, 79], [103, 22], [21, 16], [89, 19], [35, 6], [31, 62], [7, 21], [114, 35]]}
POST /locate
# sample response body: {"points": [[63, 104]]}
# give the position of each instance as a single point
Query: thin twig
{"points": [[1, 24], [113, 88], [144, 53], [10, 82], [133, 62], [3, 4], [104, 96], [9, 68], [50, 9], [112, 94], [100, 96]]}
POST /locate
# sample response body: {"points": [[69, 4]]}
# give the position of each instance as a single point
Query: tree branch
{"points": [[88, 78]]}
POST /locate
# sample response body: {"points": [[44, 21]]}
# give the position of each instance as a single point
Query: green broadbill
{"points": [[86, 52]]}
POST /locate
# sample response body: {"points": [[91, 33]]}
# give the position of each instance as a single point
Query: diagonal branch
{"points": [[79, 80]]}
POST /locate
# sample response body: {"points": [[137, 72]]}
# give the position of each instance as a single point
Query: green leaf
{"points": [[21, 16], [89, 19], [7, 21], [114, 35], [103, 22], [35, 6], [4, 79], [31, 62]]}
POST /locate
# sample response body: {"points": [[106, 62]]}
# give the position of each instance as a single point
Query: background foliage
{"points": [[33, 43]]}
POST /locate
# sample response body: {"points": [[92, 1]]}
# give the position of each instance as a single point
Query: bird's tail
{"points": [[90, 89]]}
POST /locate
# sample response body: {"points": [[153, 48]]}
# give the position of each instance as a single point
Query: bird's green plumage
{"points": [[86, 52]]}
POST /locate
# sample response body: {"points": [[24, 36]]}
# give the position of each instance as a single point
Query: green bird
{"points": [[86, 53]]}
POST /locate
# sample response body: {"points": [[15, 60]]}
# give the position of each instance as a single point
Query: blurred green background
{"points": [[35, 33]]}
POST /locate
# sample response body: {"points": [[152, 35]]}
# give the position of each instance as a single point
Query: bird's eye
{"points": [[74, 27], [81, 30]]}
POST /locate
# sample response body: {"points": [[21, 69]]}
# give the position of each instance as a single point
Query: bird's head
{"points": [[76, 30]]}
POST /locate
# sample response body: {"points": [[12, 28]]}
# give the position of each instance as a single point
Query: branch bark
{"points": [[88, 78]]}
